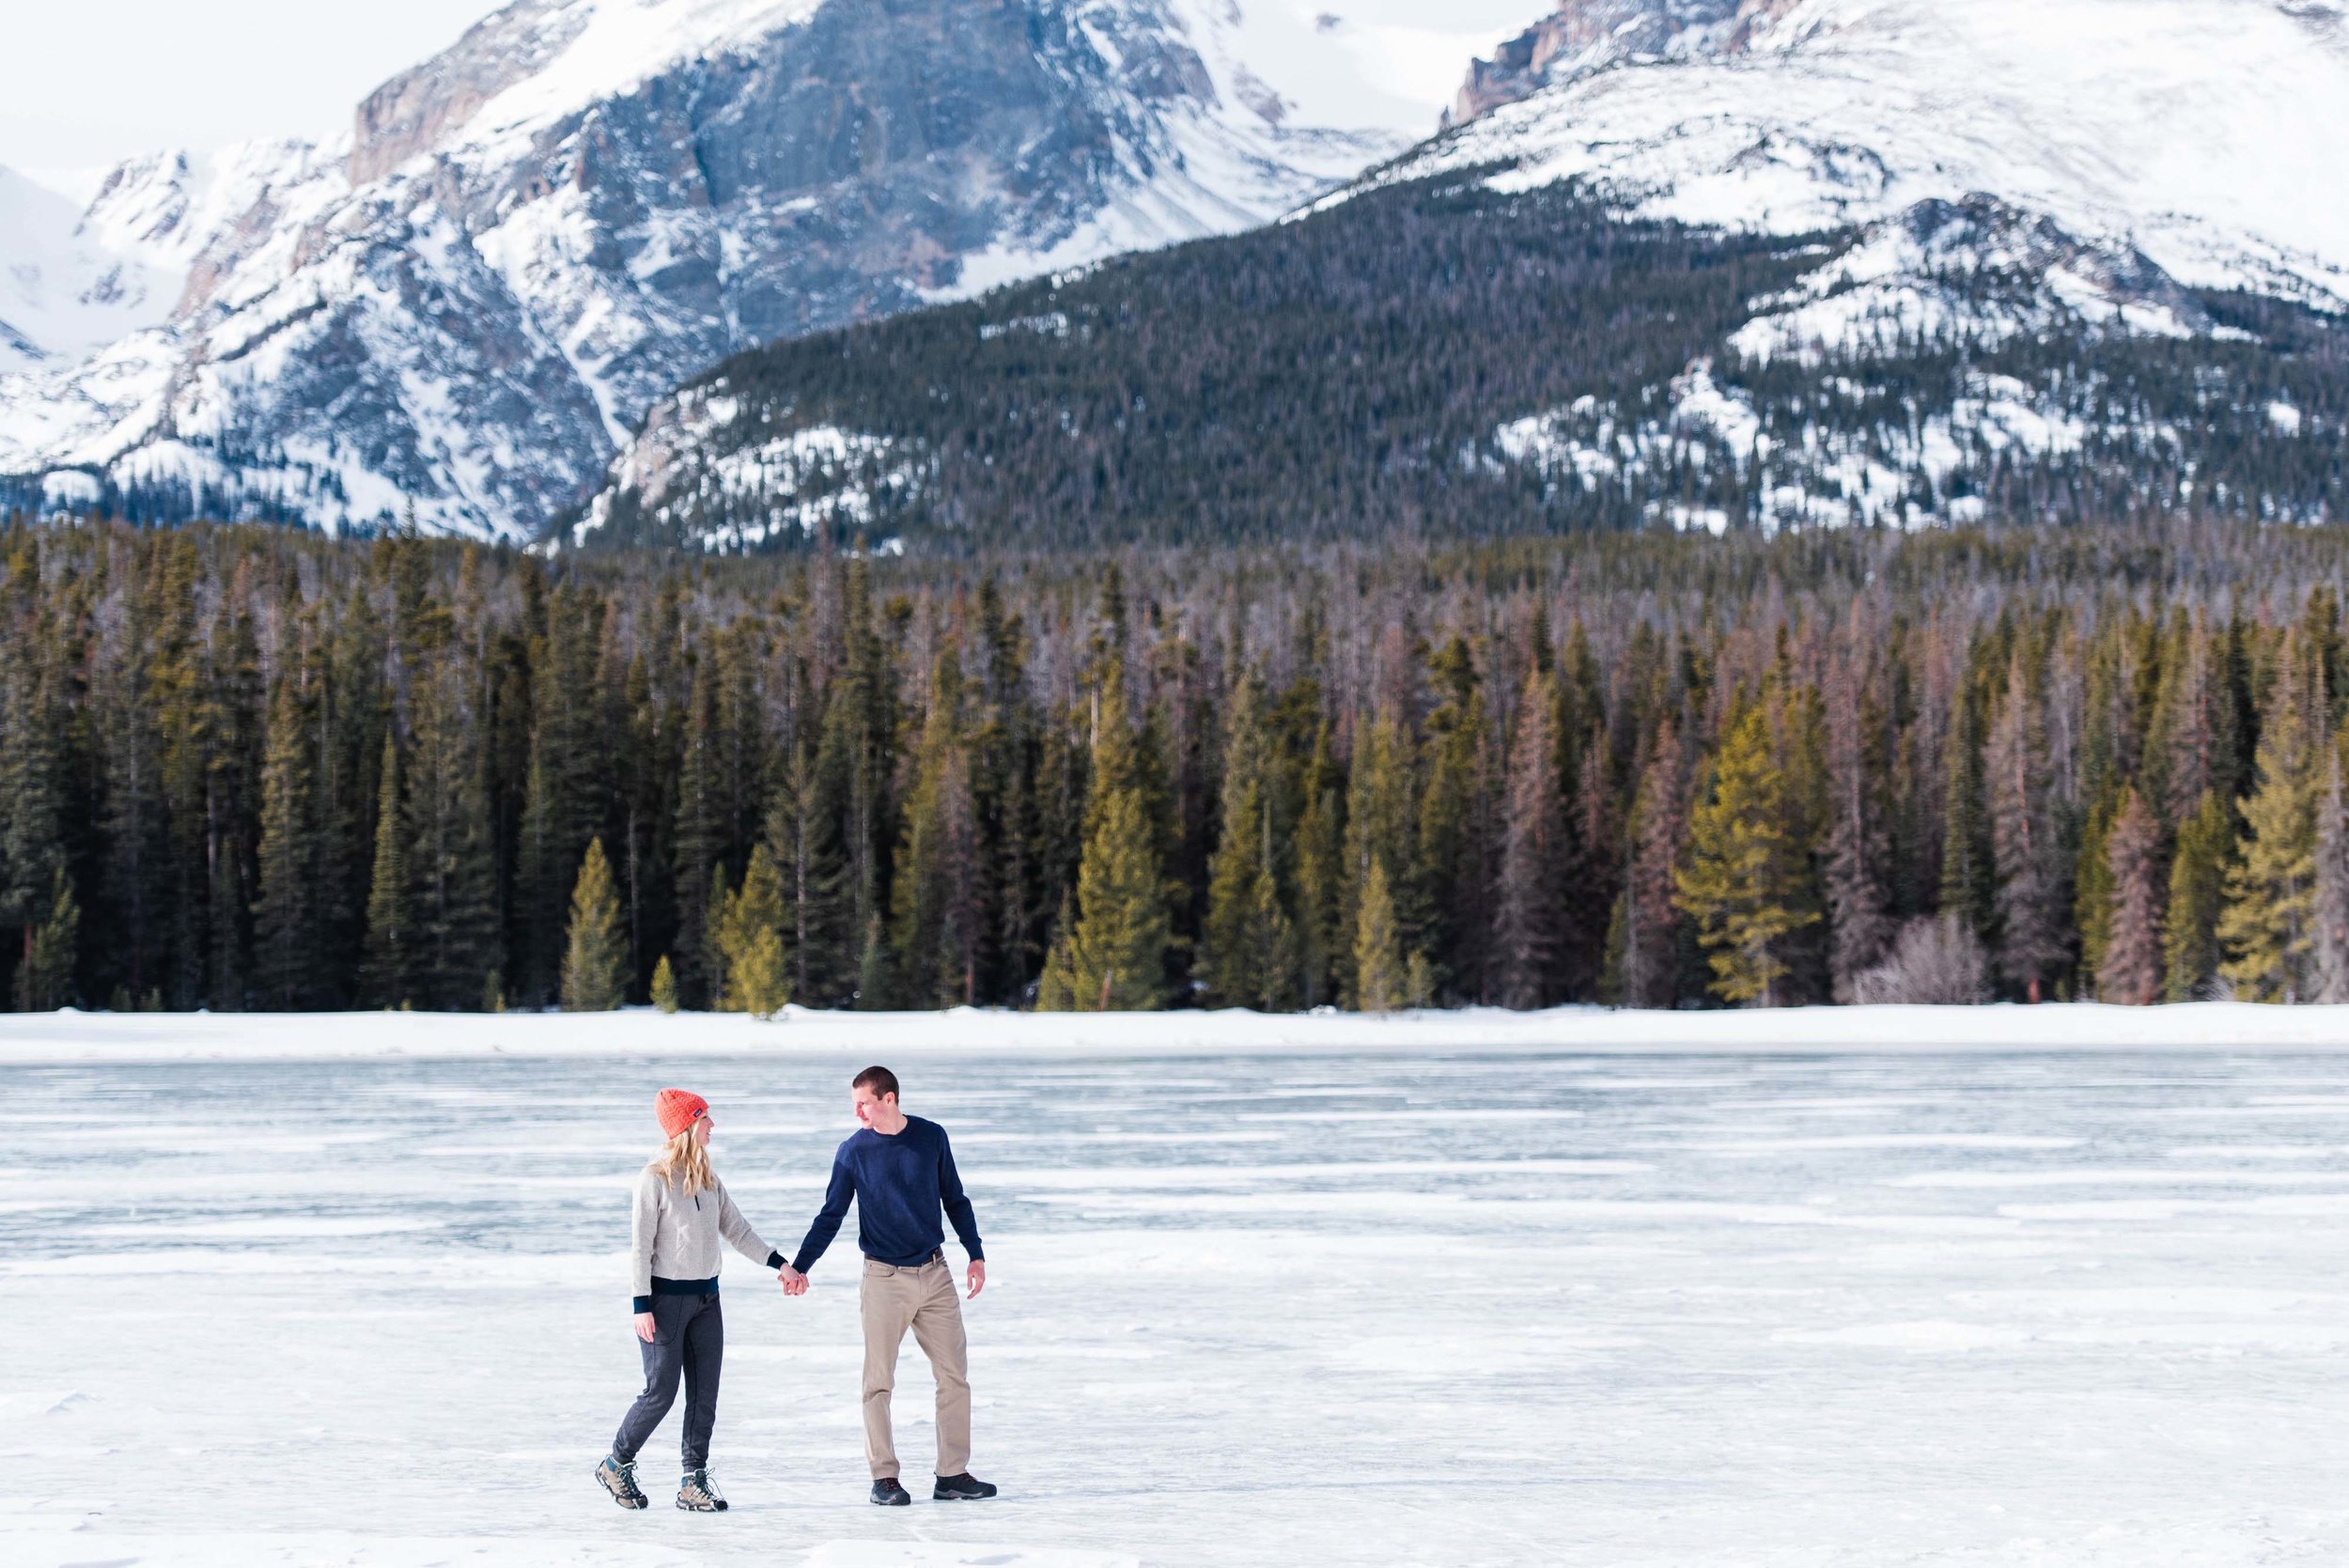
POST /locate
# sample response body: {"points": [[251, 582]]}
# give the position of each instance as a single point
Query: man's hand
{"points": [[794, 1283], [643, 1326], [977, 1276]]}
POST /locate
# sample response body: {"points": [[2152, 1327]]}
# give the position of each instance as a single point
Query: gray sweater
{"points": [[675, 1237]]}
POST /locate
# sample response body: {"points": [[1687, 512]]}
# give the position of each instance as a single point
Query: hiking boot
{"points": [[620, 1481], [965, 1487], [888, 1494], [698, 1493]]}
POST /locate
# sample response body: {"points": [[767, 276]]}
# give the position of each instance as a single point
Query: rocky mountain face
{"points": [[454, 315], [1583, 37]]}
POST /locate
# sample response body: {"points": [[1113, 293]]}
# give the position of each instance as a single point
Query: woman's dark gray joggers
{"points": [[688, 1337]]}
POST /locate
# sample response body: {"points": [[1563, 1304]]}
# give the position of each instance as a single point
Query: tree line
{"points": [[248, 767]]}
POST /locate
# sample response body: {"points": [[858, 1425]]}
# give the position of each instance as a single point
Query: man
{"points": [[901, 1174]]}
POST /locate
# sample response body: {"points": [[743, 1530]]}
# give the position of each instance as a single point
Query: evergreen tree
{"points": [[2328, 953], [855, 769], [595, 955], [2130, 968], [350, 737], [803, 836], [1382, 977], [2198, 883], [44, 981], [699, 839], [2030, 904], [2094, 894], [227, 736], [1744, 884], [454, 945], [1650, 948], [2181, 747], [755, 978], [1005, 759], [1533, 856], [843, 852], [1379, 812], [1594, 870], [1248, 957], [1320, 875], [1454, 825], [567, 782], [939, 920], [290, 957], [391, 934], [1859, 901], [665, 986], [1966, 871], [1114, 957], [32, 842], [2268, 925]]}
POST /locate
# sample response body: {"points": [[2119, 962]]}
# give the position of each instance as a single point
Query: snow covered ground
{"points": [[1476, 1293], [85, 1037]]}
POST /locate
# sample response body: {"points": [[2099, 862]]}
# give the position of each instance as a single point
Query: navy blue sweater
{"points": [[899, 1182]]}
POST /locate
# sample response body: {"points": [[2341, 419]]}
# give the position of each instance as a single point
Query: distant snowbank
{"points": [[161, 1037]]}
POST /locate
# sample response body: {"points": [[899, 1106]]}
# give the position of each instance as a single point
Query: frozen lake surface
{"points": [[1445, 1309]]}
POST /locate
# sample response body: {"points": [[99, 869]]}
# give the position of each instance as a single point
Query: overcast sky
{"points": [[86, 81]]}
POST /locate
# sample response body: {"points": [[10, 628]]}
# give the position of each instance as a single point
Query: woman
{"points": [[682, 1213]]}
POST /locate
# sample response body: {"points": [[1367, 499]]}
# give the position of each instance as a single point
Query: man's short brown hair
{"points": [[881, 1081]]}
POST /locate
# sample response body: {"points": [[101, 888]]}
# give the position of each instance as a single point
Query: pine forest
{"points": [[253, 769]]}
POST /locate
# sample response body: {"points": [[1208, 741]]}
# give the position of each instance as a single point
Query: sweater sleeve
{"points": [[644, 1229], [737, 1231], [957, 1202], [828, 1219]]}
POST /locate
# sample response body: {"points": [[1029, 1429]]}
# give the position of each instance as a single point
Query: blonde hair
{"points": [[684, 1156]]}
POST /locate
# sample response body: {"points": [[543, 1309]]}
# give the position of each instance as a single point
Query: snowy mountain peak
{"points": [[2192, 131], [457, 312]]}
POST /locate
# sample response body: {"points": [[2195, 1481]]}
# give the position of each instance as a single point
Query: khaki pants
{"points": [[922, 1298]]}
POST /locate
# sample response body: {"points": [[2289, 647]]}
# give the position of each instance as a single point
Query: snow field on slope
{"points": [[2203, 131], [1451, 1307]]}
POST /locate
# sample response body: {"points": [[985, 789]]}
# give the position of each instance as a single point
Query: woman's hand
{"points": [[643, 1326]]}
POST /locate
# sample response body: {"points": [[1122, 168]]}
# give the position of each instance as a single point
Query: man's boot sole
{"points": [[696, 1508], [902, 1500], [960, 1497]]}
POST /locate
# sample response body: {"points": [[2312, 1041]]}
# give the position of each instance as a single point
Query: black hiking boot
{"points": [[888, 1494], [965, 1487], [698, 1493], [620, 1481]]}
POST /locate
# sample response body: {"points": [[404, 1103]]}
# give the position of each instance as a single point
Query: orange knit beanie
{"points": [[678, 1109]]}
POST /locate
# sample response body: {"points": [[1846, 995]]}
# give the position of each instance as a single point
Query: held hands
{"points": [[645, 1327], [794, 1284]]}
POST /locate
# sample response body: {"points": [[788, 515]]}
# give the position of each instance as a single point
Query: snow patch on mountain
{"points": [[67, 287], [757, 491], [1849, 467], [1979, 270]]}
